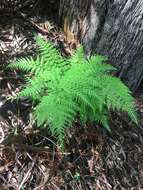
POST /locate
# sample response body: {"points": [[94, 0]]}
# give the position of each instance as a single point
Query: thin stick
{"points": [[27, 175], [2, 135]]}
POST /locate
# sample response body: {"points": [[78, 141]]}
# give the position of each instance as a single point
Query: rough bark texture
{"points": [[111, 27]]}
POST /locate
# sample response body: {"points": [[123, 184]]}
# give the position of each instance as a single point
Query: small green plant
{"points": [[77, 176], [66, 88]]}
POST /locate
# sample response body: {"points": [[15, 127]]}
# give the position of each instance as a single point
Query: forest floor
{"points": [[30, 159]]}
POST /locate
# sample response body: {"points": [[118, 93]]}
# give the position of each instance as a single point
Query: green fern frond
{"points": [[78, 57], [59, 114], [50, 54], [77, 86], [118, 96], [98, 62], [34, 89], [23, 64]]}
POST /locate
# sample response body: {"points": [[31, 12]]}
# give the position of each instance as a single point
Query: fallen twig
{"points": [[26, 147]]}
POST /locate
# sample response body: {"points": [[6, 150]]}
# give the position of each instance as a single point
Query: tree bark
{"points": [[110, 27]]}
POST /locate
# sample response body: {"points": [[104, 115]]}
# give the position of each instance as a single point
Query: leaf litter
{"points": [[30, 158]]}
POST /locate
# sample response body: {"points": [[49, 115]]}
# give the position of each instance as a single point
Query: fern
{"points": [[66, 88]]}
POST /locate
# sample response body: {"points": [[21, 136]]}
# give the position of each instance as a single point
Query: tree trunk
{"points": [[110, 27]]}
